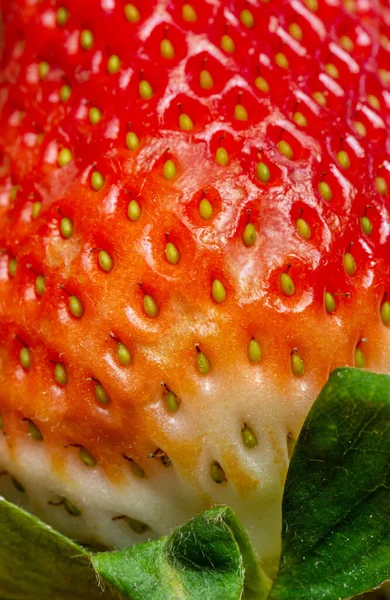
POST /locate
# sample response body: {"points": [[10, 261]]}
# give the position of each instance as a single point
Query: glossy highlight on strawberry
{"points": [[194, 231]]}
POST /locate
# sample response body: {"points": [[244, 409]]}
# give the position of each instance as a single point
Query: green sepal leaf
{"points": [[38, 563], [208, 558], [336, 506]]}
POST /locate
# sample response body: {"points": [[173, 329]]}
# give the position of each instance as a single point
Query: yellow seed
{"points": [[188, 13], [247, 18], [134, 210], [248, 437], [360, 128], [360, 361], [35, 210], [40, 285], [150, 306], [113, 64], [145, 90], [169, 170], [221, 156], [262, 84], [205, 209], [300, 119], [13, 192], [297, 366], [35, 432], [332, 70], [254, 351], [227, 44], [62, 16], [137, 470], [203, 363], [346, 43], [240, 113], [385, 313], [25, 358], [12, 267], [325, 191], [43, 69], [384, 41], [17, 485], [65, 93], [71, 508], [185, 122], [330, 304], [101, 394], [312, 5], [281, 60], [106, 262], [86, 457], [137, 526], [171, 401], [263, 172], [172, 253], [343, 159], [249, 236], [290, 445], [303, 228], [76, 307], [285, 149], [373, 101], [218, 291], [205, 80], [61, 374], [86, 39], [132, 140], [123, 354], [217, 473], [295, 31], [287, 284], [132, 13], [64, 157], [366, 225], [384, 76], [97, 181], [381, 185], [320, 98], [66, 227], [166, 49], [349, 263]]}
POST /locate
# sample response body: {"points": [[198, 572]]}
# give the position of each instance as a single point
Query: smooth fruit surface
{"points": [[194, 231]]}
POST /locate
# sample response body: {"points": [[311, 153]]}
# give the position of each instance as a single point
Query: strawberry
{"points": [[194, 231]]}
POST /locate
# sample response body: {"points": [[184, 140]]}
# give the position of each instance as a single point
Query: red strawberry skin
{"points": [[279, 269]]}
